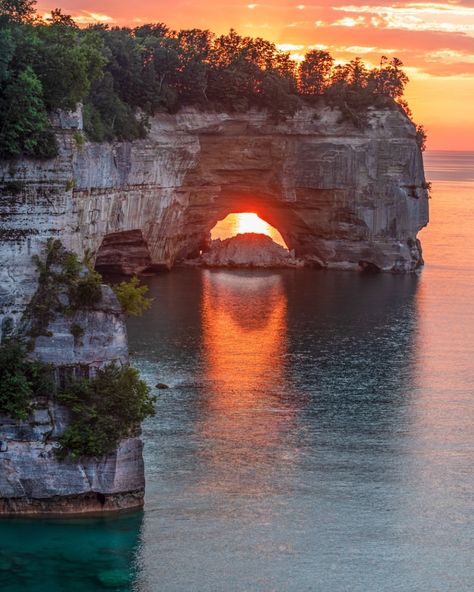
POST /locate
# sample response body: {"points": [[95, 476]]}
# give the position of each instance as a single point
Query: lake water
{"points": [[317, 436]]}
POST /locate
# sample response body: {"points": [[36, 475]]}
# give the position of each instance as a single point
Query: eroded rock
{"points": [[342, 198], [248, 250], [338, 195]]}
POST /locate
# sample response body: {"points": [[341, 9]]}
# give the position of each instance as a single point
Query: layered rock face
{"points": [[32, 479], [342, 198], [338, 195], [247, 250]]}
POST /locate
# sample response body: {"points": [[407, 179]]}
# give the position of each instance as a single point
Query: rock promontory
{"points": [[342, 198]]}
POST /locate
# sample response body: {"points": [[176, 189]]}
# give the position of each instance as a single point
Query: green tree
{"points": [[276, 96], [59, 18], [7, 50], [66, 62], [24, 125], [21, 380], [194, 48], [105, 409], [389, 79], [22, 11], [132, 297], [107, 116]]}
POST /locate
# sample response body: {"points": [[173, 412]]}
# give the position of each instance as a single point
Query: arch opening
{"points": [[246, 238], [246, 222]]}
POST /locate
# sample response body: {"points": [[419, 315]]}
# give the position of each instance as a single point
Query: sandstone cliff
{"points": [[342, 198]]}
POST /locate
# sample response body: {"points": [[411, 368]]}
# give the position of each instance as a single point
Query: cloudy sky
{"points": [[435, 40]]}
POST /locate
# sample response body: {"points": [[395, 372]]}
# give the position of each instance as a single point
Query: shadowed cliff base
{"points": [[86, 503], [125, 253]]}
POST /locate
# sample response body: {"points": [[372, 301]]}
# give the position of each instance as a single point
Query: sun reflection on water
{"points": [[246, 415]]}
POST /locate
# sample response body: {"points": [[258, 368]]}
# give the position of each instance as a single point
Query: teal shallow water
{"points": [[75, 555], [318, 434]]}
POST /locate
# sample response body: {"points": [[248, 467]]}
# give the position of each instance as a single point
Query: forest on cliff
{"points": [[123, 76]]}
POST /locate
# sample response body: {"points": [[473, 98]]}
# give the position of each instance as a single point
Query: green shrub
{"points": [[79, 138], [77, 332], [87, 292], [104, 410], [421, 137], [21, 380], [131, 296], [61, 273], [71, 266]]}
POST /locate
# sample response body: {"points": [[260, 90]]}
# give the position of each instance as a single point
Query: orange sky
{"points": [[434, 39]]}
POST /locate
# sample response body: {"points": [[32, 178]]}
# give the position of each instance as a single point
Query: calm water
{"points": [[317, 435]]}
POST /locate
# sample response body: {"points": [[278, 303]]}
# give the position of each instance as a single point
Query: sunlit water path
{"points": [[317, 436]]}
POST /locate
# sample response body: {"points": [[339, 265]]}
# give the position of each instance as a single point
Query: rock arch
{"points": [[339, 196]]}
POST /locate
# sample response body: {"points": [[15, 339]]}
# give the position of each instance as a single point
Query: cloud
{"points": [[90, 18], [416, 16], [348, 21], [361, 49], [290, 46]]}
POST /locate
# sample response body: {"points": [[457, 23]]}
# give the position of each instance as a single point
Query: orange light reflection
{"points": [[247, 414]]}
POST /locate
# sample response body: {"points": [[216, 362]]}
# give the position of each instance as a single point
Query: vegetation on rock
{"points": [[104, 410], [131, 296], [21, 380], [65, 284], [77, 332], [124, 75]]}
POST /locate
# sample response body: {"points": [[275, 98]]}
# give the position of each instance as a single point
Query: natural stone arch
{"points": [[281, 216], [342, 198]]}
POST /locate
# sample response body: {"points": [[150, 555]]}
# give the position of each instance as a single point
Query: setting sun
{"points": [[246, 222], [250, 222]]}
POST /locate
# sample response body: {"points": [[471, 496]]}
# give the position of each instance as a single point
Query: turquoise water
{"points": [[74, 555], [317, 436]]}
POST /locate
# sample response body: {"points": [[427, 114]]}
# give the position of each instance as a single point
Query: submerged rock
{"points": [[248, 250], [114, 578]]}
